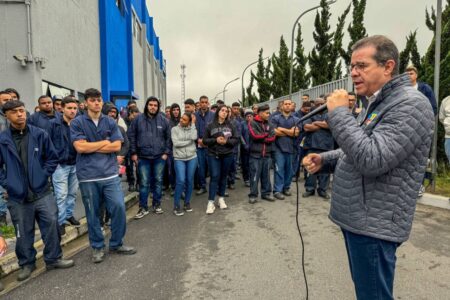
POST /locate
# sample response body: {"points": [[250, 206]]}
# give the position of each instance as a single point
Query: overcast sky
{"points": [[217, 39]]}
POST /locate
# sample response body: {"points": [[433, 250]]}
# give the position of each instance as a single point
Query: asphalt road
{"points": [[245, 252]]}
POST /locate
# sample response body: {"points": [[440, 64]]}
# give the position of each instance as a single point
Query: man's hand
{"points": [[134, 158], [200, 142], [120, 159], [193, 119], [312, 163], [3, 246], [336, 99], [164, 157], [221, 140]]}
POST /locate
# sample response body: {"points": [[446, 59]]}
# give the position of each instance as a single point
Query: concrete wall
{"points": [[84, 43], [69, 37], [72, 60]]}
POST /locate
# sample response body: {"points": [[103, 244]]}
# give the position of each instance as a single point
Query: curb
{"points": [[434, 201], [9, 263]]}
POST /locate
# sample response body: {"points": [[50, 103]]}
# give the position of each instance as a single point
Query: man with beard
{"points": [[46, 113], [149, 136]]}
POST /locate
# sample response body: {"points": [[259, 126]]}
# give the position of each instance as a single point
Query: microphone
{"points": [[318, 110]]}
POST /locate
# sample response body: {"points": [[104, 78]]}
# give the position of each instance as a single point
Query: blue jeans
{"points": [[3, 207], [109, 191], [311, 179], [231, 179], [260, 170], [202, 161], [185, 170], [447, 148], [23, 216], [151, 173], [218, 168], [372, 265], [283, 171], [65, 185], [245, 165]]}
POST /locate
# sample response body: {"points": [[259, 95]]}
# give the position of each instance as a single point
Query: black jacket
{"points": [[213, 131], [262, 136]]}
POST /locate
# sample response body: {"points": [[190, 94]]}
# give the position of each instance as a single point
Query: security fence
{"points": [[314, 92]]}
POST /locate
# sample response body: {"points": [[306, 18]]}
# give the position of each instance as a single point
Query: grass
{"points": [[8, 231], [442, 181]]}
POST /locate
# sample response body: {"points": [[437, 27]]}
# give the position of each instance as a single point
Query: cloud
{"points": [[216, 39]]}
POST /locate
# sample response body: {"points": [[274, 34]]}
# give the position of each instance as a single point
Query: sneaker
{"points": [[61, 264], [231, 186], [132, 188], [226, 194], [278, 195], [187, 207], [157, 209], [201, 191], [268, 198], [142, 212], [421, 191], [98, 255], [74, 222], [287, 193], [323, 195], [222, 203], [178, 212], [25, 272], [247, 183], [308, 194], [172, 192], [123, 250], [210, 208], [252, 200], [237, 177], [3, 221]]}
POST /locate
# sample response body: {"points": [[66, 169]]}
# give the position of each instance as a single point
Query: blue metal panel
{"points": [[115, 48], [116, 45]]}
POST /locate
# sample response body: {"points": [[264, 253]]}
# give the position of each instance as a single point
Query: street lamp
{"points": [[242, 79], [224, 88], [215, 97], [292, 43]]}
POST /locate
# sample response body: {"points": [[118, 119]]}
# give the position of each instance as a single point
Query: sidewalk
{"points": [[435, 201]]}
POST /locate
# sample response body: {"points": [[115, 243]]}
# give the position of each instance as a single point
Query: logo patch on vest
{"points": [[370, 118]]}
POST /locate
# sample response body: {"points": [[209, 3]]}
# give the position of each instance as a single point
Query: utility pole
{"points": [[183, 82], [437, 72]]}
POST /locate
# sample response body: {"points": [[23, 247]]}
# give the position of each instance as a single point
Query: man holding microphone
{"points": [[379, 167]]}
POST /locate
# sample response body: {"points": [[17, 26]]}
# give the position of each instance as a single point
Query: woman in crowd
{"points": [[184, 136], [220, 138]]}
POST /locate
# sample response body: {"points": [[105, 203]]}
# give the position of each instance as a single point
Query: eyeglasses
{"points": [[361, 67]]}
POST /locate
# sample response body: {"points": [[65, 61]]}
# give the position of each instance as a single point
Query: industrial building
{"points": [[62, 47]]}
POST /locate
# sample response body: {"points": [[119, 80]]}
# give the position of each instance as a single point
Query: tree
{"points": [[410, 54], [263, 79], [300, 76], [428, 65], [281, 65], [335, 66], [250, 97], [356, 29], [319, 57]]}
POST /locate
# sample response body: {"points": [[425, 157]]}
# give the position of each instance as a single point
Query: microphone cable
{"points": [[298, 227]]}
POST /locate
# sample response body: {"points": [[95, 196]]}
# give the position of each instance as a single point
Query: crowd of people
{"points": [[66, 145]]}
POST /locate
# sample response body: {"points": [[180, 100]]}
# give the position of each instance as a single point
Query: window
{"points": [[138, 32], [149, 53], [133, 25]]}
